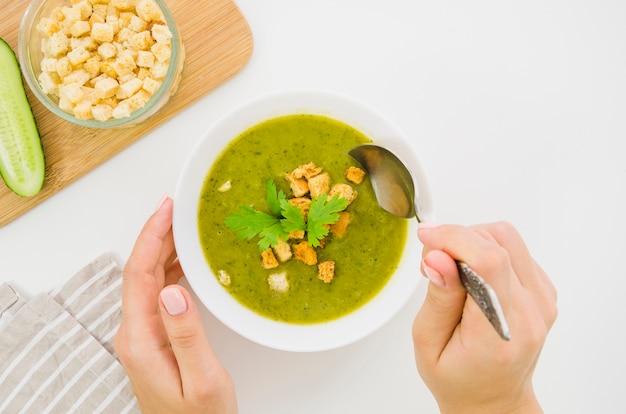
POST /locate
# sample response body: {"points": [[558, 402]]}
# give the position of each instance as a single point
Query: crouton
{"points": [[106, 88], [143, 41], [57, 44], [80, 28], [338, 229], [79, 76], [65, 104], [344, 191], [224, 187], [72, 92], [150, 85], [86, 42], [223, 278], [306, 171], [138, 100], [124, 64], [305, 253], [48, 64], [326, 271], [129, 88], [84, 8], [282, 251], [149, 11], [47, 26], [63, 67], [92, 65], [162, 52], [278, 282], [123, 4], [296, 235], [102, 32], [114, 22], [49, 82], [161, 33], [298, 178], [78, 56], [137, 24], [82, 110], [355, 175], [96, 18], [303, 203], [268, 259], [123, 36], [159, 70], [299, 186], [122, 110], [107, 50], [319, 184], [102, 112], [145, 59]]}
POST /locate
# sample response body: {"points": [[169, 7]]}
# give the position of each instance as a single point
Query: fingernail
{"points": [[426, 225], [433, 275], [161, 201], [174, 301]]}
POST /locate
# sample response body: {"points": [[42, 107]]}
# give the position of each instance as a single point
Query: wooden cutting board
{"points": [[218, 44]]}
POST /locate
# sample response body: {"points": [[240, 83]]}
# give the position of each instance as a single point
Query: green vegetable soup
{"points": [[365, 257]]}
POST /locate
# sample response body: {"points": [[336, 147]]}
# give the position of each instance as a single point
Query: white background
{"points": [[517, 110]]}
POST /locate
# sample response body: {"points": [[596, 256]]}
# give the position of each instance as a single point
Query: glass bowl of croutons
{"points": [[101, 64], [278, 230]]}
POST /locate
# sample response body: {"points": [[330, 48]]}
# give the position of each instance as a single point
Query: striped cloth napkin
{"points": [[56, 350]]}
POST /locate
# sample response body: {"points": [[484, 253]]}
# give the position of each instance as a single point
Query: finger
{"points": [[442, 309], [140, 288], [168, 250], [189, 343], [484, 256], [173, 273], [508, 237]]}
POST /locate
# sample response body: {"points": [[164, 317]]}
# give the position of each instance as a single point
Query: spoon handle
{"points": [[485, 297]]}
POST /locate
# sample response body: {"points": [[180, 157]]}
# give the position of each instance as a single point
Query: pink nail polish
{"points": [[433, 275], [173, 301], [161, 201]]}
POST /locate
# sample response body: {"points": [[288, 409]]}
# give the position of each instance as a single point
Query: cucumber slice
{"points": [[22, 164]]}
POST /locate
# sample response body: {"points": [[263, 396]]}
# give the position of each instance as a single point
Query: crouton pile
{"points": [[104, 59], [307, 182]]}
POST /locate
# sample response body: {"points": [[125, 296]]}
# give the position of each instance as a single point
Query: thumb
{"points": [[188, 340], [442, 308]]}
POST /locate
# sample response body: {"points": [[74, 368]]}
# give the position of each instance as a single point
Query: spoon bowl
{"points": [[391, 180]]}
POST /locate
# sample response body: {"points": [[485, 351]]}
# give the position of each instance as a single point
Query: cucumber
{"points": [[22, 164]]}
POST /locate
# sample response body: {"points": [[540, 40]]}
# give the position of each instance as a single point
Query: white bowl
{"points": [[267, 332]]}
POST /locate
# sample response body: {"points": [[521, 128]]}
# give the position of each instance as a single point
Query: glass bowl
{"points": [[31, 55]]}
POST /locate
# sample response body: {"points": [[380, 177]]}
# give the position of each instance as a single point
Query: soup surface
{"points": [[365, 257]]}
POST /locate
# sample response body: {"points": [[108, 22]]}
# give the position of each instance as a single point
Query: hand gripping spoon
{"points": [[395, 192]]}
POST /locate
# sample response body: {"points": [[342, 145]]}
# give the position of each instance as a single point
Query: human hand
{"points": [[161, 341], [461, 358]]}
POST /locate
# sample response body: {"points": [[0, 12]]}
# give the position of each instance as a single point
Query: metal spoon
{"points": [[396, 193]]}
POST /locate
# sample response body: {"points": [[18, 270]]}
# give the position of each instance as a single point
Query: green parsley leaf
{"points": [[249, 222], [271, 235], [293, 220], [285, 218], [273, 199], [323, 213]]}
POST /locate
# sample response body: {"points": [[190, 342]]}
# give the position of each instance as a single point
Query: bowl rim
{"points": [[28, 25], [257, 328]]}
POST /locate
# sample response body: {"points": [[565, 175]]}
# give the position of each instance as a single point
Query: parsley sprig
{"points": [[285, 218]]}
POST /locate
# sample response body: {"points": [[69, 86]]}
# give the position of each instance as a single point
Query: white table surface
{"points": [[517, 110]]}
